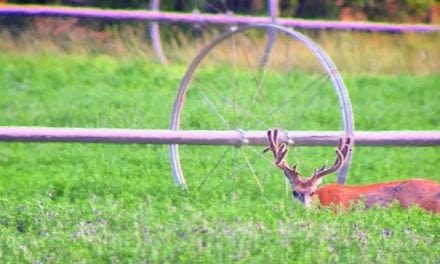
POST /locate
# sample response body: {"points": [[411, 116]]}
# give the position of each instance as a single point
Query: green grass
{"points": [[117, 203]]}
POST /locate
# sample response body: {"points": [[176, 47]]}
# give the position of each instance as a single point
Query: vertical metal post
{"points": [[273, 10], [155, 34]]}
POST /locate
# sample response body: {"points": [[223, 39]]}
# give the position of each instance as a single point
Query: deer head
{"points": [[303, 188]]}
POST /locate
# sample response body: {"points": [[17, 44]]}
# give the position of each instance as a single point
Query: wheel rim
{"points": [[218, 7], [327, 66]]}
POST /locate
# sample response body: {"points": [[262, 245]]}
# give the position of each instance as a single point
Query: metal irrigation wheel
{"points": [[225, 88], [198, 30]]}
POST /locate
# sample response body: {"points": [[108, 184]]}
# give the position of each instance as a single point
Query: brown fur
{"points": [[412, 192]]}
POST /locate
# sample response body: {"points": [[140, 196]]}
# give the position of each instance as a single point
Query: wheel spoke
{"points": [[234, 175], [321, 79], [248, 62], [231, 103], [260, 155], [219, 161], [234, 80], [259, 82], [271, 162], [251, 169], [296, 120], [214, 109], [234, 172], [270, 108], [254, 69]]}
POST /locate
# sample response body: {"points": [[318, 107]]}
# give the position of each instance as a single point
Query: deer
{"points": [[423, 193]]}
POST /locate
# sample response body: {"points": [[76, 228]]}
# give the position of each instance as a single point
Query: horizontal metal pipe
{"points": [[35, 10], [212, 137]]}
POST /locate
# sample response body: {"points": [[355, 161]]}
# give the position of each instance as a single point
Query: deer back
{"points": [[413, 192]]}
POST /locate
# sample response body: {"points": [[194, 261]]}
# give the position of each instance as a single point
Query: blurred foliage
{"points": [[376, 10], [126, 4], [393, 10]]}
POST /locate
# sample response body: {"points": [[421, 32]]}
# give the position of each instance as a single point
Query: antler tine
{"points": [[344, 146], [347, 146], [292, 174], [340, 143], [282, 153], [320, 169], [279, 151], [273, 142]]}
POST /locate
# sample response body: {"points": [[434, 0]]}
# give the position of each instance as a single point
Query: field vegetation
{"points": [[353, 52], [99, 203]]}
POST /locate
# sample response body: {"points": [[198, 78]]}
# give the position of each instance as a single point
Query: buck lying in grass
{"points": [[411, 192]]}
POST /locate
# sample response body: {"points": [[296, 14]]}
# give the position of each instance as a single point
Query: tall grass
{"points": [[353, 52], [98, 203]]}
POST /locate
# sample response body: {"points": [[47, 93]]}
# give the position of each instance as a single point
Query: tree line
{"points": [[373, 10]]}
